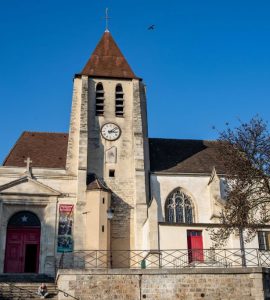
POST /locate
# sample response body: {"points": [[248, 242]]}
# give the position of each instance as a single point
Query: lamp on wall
{"points": [[110, 213]]}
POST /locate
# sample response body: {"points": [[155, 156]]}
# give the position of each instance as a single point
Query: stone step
{"points": [[14, 296], [25, 297], [23, 290]]}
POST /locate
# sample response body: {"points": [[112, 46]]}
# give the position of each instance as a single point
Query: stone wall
{"points": [[191, 284], [128, 184]]}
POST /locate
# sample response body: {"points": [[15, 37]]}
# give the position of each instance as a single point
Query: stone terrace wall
{"points": [[192, 284]]}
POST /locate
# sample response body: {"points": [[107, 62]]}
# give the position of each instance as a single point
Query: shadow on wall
{"points": [[155, 188], [120, 230], [96, 152]]}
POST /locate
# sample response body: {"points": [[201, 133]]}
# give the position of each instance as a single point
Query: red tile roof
{"points": [[45, 149], [107, 60]]}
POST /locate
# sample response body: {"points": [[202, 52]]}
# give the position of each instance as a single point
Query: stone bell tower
{"points": [[108, 140]]}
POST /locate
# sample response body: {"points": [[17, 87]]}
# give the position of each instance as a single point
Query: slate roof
{"points": [[184, 156], [45, 149], [49, 150], [107, 60], [95, 183]]}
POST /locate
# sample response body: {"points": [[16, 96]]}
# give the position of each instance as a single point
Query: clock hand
{"points": [[111, 131]]}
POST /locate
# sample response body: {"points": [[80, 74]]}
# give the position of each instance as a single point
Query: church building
{"points": [[105, 185]]}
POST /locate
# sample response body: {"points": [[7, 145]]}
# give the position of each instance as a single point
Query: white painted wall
{"points": [[194, 186], [205, 203]]}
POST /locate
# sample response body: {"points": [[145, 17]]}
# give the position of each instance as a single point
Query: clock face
{"points": [[110, 131]]}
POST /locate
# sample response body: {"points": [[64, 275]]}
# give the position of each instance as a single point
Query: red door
{"points": [[22, 250], [195, 245]]}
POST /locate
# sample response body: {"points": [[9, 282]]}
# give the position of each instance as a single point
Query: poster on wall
{"points": [[64, 240]]}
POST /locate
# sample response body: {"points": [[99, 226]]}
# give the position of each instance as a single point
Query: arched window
{"points": [[178, 208], [99, 100], [119, 101]]}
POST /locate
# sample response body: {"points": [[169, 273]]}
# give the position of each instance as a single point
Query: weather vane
{"points": [[107, 20]]}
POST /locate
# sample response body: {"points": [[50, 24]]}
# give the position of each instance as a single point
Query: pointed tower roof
{"points": [[107, 60]]}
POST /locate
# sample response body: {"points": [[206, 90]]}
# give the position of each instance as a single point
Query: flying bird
{"points": [[152, 27]]}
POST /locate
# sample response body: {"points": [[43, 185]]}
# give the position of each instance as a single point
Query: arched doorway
{"points": [[22, 243]]}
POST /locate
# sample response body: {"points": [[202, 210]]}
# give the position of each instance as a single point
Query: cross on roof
{"points": [[107, 20], [28, 161]]}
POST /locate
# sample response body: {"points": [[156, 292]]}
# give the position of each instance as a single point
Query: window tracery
{"points": [[179, 208]]}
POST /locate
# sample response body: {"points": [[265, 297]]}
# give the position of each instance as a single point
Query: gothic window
{"points": [[99, 100], [178, 208], [119, 101]]}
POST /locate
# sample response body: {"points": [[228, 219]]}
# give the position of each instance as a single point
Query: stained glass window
{"points": [[179, 208]]}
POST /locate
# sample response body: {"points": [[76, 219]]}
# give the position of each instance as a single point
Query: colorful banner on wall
{"points": [[64, 240]]}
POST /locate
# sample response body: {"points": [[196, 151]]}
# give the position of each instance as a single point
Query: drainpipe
{"points": [[159, 256], [140, 285], [55, 235]]}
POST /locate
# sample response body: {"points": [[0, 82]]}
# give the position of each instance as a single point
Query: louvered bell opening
{"points": [[99, 110], [119, 108], [99, 100], [119, 101], [99, 105]]}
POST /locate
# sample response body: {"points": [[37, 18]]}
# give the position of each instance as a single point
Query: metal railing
{"points": [[153, 259], [67, 294]]}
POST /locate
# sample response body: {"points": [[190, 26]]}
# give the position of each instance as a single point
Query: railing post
{"points": [[55, 266], [111, 258], [226, 264], [258, 258]]}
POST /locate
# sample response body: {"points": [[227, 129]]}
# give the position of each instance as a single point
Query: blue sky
{"points": [[206, 63]]}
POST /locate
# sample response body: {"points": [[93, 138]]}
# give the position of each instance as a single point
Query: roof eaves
{"points": [[79, 75]]}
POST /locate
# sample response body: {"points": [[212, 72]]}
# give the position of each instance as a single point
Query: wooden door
{"points": [[195, 245], [14, 252], [22, 250]]}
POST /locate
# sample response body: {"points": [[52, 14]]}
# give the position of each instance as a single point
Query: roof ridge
{"points": [[49, 132]]}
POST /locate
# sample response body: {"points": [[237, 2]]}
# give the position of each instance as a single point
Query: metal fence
{"points": [[155, 259]]}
